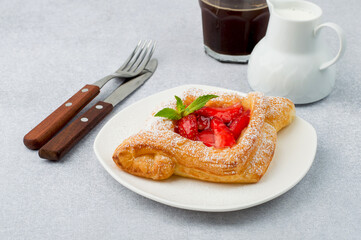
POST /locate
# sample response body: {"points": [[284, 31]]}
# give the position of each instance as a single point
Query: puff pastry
{"points": [[158, 152]]}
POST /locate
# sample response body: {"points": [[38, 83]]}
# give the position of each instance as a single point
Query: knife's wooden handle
{"points": [[57, 147], [45, 130]]}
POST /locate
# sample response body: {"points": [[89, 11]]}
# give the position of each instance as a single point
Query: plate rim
{"points": [[197, 207]]}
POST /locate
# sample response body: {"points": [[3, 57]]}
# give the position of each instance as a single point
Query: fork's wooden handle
{"points": [[57, 147], [45, 130]]}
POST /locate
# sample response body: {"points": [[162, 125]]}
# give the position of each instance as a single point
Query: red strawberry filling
{"points": [[207, 137], [187, 127], [217, 127], [204, 123], [223, 137], [225, 114], [239, 123]]}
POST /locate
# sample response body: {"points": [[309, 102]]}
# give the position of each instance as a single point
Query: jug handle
{"points": [[342, 43]]}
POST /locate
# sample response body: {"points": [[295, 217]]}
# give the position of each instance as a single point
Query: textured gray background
{"points": [[50, 49]]}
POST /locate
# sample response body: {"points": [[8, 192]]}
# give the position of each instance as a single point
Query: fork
{"points": [[132, 67]]}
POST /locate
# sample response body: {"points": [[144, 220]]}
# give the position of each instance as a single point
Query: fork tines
{"points": [[140, 56]]}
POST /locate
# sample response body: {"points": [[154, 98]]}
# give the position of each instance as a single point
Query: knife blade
{"points": [[62, 143], [127, 88]]}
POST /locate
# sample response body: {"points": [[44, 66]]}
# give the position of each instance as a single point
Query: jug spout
{"points": [[271, 5], [274, 4], [291, 24]]}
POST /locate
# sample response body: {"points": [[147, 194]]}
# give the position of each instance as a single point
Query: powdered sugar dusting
{"points": [[250, 156]]}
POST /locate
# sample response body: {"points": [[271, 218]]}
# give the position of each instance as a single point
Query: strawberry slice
{"points": [[225, 114], [239, 123], [223, 137], [176, 128], [187, 127], [207, 137], [204, 123]]}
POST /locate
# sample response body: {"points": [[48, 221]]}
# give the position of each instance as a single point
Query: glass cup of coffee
{"points": [[231, 28]]}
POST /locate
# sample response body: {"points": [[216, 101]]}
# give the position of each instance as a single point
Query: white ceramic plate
{"points": [[296, 148]]}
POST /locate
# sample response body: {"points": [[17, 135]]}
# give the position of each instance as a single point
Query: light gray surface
{"points": [[50, 49]]}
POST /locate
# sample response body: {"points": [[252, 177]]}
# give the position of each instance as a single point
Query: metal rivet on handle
{"points": [[99, 107], [68, 104], [85, 90], [84, 119]]}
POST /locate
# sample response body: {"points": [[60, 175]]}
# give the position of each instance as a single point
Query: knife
{"points": [[62, 143], [53, 123]]}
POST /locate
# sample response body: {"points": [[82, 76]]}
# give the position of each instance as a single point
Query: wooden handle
{"points": [[45, 130], [57, 147]]}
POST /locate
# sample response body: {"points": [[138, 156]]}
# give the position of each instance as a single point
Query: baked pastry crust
{"points": [[158, 152]]}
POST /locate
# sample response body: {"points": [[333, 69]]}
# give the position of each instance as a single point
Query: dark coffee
{"points": [[233, 32]]}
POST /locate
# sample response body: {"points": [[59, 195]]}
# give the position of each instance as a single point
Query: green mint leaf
{"points": [[180, 105], [168, 113], [198, 104]]}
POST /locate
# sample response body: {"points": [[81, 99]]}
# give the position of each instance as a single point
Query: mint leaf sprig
{"points": [[183, 110]]}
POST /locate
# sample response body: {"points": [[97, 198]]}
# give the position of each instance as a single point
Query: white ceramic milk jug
{"points": [[291, 60]]}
